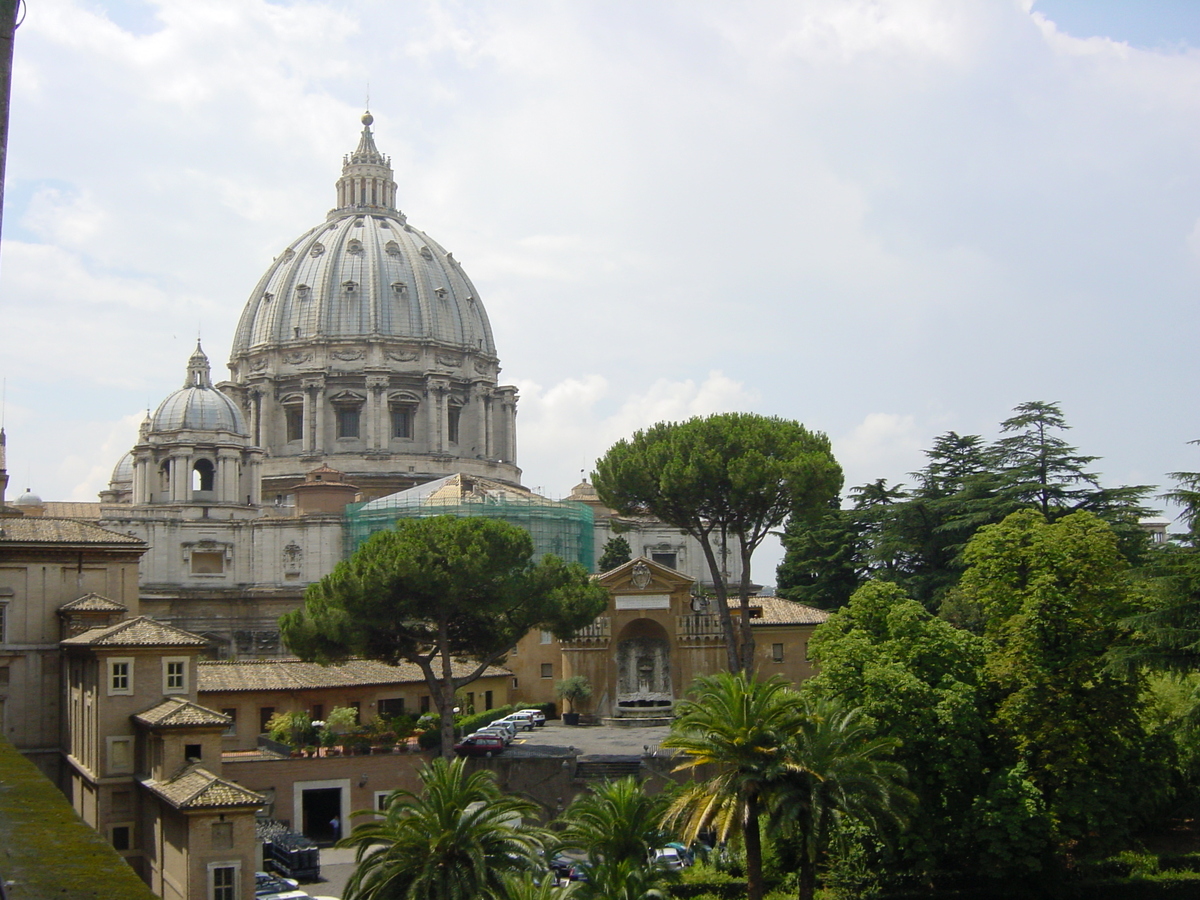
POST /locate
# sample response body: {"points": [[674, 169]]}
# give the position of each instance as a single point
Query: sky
{"points": [[884, 219]]}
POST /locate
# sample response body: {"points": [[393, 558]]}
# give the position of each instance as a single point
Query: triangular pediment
{"points": [[643, 575]]}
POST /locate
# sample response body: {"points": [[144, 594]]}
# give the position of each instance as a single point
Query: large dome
{"points": [[198, 406], [366, 346]]}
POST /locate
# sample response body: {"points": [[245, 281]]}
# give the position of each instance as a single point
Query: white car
{"points": [[520, 720], [539, 717], [503, 733]]}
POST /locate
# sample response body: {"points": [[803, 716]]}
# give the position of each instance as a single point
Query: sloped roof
{"points": [[47, 530], [197, 788], [176, 712], [293, 674], [138, 632], [93, 603], [777, 611], [73, 509]]}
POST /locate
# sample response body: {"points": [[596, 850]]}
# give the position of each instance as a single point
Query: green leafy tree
{"points": [[436, 590], [824, 558], [1054, 595], [462, 838], [731, 477], [733, 729], [574, 689], [919, 682], [1186, 493], [537, 886], [616, 552], [838, 772]]}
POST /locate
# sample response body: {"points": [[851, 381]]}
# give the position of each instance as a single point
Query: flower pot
{"points": [[571, 718]]}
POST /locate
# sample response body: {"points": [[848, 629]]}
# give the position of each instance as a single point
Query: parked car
{"points": [[669, 858], [480, 745], [520, 719], [510, 727], [503, 733], [539, 717], [266, 883], [567, 869]]}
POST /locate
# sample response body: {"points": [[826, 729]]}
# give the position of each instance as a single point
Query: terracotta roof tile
{"points": [[198, 788], [93, 603], [73, 509], [777, 611], [175, 712], [293, 674], [138, 632], [46, 530]]}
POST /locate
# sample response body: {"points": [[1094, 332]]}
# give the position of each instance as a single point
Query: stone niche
{"points": [[643, 668]]}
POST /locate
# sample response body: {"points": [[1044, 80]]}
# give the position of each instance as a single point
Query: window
{"points": [[392, 706], [317, 713], [294, 421], [202, 475], [547, 670], [191, 752], [425, 703], [381, 800], [402, 422], [470, 708], [3, 623], [4, 676], [231, 731], [777, 653], [453, 415], [120, 755], [264, 716], [547, 637], [665, 559], [356, 705], [121, 837], [347, 421], [174, 675], [223, 880], [487, 699], [120, 676], [222, 835]]}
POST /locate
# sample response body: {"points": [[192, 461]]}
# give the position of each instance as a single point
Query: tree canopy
{"points": [[730, 477], [436, 590]]}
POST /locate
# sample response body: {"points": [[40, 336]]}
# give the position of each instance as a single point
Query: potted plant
{"points": [[573, 690]]}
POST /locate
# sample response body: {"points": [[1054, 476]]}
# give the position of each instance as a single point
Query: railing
{"points": [[699, 627], [600, 631]]}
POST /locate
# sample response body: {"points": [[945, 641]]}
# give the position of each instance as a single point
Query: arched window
{"points": [[203, 475]]}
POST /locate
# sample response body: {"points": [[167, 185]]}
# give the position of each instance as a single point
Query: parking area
{"points": [[591, 740]]}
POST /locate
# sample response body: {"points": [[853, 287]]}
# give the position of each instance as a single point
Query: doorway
{"points": [[322, 814]]}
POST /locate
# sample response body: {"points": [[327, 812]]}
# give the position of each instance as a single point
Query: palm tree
{"points": [[458, 840], [620, 826], [836, 770], [736, 727], [531, 886]]}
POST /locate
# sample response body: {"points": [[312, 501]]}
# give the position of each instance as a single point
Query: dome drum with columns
{"points": [[366, 344]]}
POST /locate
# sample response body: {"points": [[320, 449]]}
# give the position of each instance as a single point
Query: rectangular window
{"points": [[356, 705], [3, 623], [232, 729], [347, 421], [208, 562], [777, 652], [317, 714], [392, 706], [664, 559], [121, 837], [120, 677], [425, 704], [294, 417], [547, 670], [264, 716], [453, 415], [487, 700], [4, 676], [381, 800], [174, 675], [191, 752], [402, 422], [470, 710], [547, 637], [223, 881]]}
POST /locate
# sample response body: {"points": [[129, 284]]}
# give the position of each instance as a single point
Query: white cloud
{"points": [[881, 445]]}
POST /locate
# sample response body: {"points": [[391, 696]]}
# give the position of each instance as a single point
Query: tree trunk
{"points": [[446, 694], [753, 839], [731, 641], [808, 880], [744, 597]]}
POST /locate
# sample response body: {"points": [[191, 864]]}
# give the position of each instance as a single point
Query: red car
{"points": [[480, 745]]}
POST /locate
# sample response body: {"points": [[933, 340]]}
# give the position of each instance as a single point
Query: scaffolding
{"points": [[562, 527]]}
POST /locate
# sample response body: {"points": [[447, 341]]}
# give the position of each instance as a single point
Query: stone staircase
{"points": [[607, 768]]}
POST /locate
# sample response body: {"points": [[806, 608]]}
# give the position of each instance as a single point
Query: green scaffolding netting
{"points": [[564, 528]]}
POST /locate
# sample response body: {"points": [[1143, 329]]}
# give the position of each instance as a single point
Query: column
{"points": [[314, 414], [306, 422], [378, 433]]}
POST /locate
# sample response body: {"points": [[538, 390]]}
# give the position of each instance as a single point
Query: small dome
{"points": [[123, 471], [29, 498], [198, 406]]}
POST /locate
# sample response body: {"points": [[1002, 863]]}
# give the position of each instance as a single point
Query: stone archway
{"points": [[643, 668]]}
